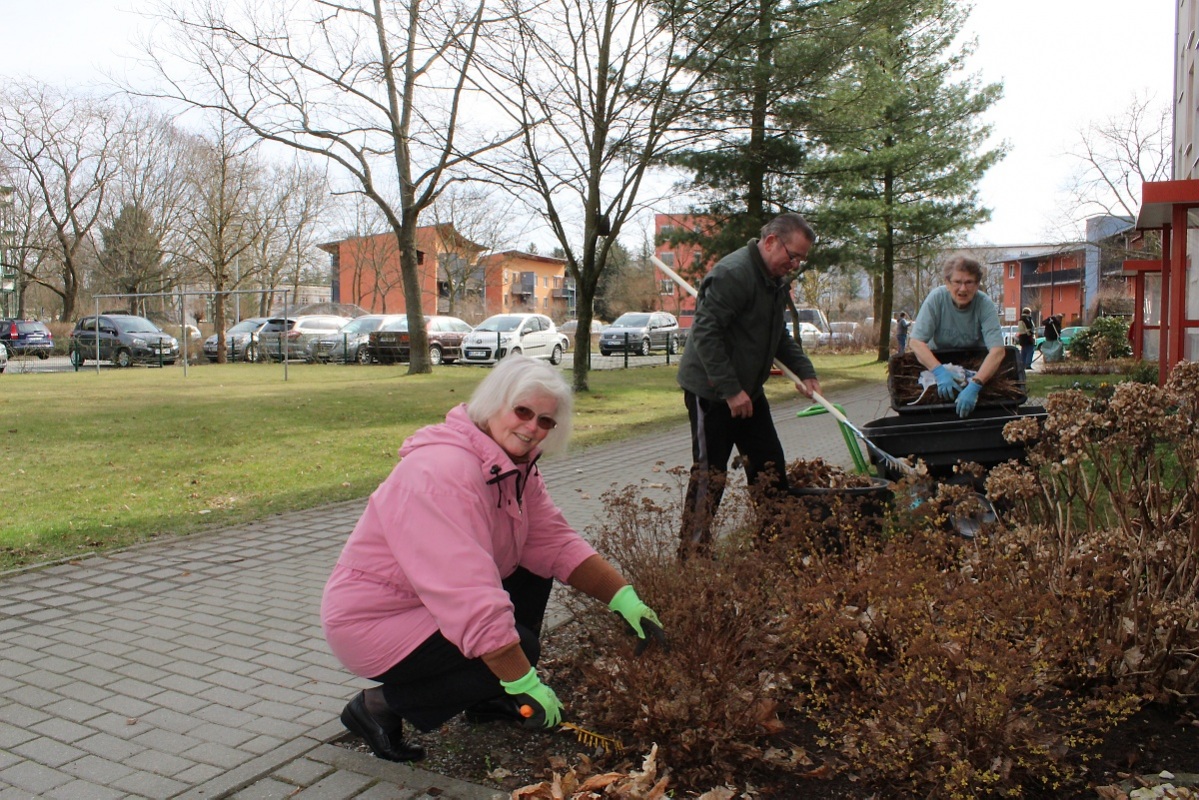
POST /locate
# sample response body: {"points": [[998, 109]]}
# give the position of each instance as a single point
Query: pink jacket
{"points": [[453, 519]]}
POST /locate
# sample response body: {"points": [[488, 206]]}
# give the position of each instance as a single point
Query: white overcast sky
{"points": [[1063, 63]]}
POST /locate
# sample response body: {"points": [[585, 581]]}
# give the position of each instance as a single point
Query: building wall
{"points": [[506, 285], [682, 259], [1186, 112]]}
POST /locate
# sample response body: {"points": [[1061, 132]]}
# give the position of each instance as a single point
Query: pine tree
{"points": [[902, 144]]}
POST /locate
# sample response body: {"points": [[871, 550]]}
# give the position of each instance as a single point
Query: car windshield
{"points": [[136, 325], [631, 321], [362, 325], [245, 326], [500, 324]]}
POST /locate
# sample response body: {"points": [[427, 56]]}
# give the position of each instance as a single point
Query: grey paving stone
{"points": [[48, 751], [79, 788], [181, 702], [12, 735], [265, 789], [198, 774], [62, 730], [159, 763], [37, 779], [340, 784], [386, 791], [303, 771], [99, 770], [111, 747], [146, 784]]}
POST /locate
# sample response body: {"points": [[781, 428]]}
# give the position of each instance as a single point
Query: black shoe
{"points": [[388, 745], [497, 709]]}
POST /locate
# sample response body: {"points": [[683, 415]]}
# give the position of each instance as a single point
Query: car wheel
{"points": [[515, 351], [644, 347], [435, 355], [363, 356], [604, 352], [556, 356], [76, 358], [42, 355], [123, 358], [672, 345]]}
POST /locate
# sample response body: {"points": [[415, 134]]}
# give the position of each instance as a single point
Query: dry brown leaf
{"points": [[1112, 792], [719, 793], [824, 772], [659, 790], [598, 782], [534, 791]]}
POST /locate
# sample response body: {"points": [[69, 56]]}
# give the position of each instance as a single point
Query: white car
{"points": [[809, 334], [534, 335]]}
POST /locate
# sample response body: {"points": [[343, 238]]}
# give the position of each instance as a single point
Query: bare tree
{"points": [[1118, 154], [483, 225], [288, 211], [26, 230], [596, 87], [376, 87], [69, 148], [217, 225]]}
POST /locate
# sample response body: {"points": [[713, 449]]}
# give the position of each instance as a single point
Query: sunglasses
{"points": [[524, 414]]}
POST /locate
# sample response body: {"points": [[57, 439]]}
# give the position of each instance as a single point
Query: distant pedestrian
{"points": [[440, 591], [738, 332], [1026, 337], [1051, 348], [902, 325]]}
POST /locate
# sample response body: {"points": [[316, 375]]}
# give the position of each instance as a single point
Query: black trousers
{"points": [[436, 681], [714, 434]]}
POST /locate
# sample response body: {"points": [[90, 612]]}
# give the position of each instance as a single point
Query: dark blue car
{"points": [[22, 337]]}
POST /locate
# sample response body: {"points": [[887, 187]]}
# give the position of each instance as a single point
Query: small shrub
{"points": [[1106, 338]]}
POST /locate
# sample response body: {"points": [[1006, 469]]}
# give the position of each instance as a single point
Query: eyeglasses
{"points": [[795, 258], [524, 414], [963, 284]]}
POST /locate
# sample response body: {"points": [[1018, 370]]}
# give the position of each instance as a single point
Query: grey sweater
{"points": [[738, 330]]}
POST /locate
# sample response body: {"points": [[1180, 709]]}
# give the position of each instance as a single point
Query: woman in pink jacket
{"points": [[440, 591]]}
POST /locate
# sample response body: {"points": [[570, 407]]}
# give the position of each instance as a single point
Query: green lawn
{"points": [[101, 460]]}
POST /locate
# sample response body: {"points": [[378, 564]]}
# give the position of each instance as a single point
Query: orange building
{"points": [[1046, 278], [365, 271], [685, 259], [518, 282]]}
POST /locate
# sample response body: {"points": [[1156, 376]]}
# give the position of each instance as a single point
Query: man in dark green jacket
{"points": [[737, 334]]}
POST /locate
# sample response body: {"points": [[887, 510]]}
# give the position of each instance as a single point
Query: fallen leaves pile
{"points": [[643, 784]]}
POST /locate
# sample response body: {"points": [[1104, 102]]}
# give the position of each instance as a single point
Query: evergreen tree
{"points": [[902, 144], [755, 105], [132, 259]]}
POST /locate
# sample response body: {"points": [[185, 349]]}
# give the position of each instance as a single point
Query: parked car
{"points": [[352, 342], [1066, 337], [641, 332], [123, 339], [841, 334], [809, 334], [391, 342], [531, 334], [3, 359], [291, 336], [22, 337], [241, 341]]}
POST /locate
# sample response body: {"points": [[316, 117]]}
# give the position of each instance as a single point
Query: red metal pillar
{"points": [[1177, 278]]}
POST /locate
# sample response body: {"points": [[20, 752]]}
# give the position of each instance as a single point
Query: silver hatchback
{"points": [[293, 336]]}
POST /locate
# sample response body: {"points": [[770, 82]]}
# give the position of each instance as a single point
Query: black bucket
{"points": [[845, 509]]}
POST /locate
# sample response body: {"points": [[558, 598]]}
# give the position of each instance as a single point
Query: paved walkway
{"points": [[196, 668]]}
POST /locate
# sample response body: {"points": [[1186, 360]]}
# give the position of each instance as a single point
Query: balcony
{"points": [[1060, 277]]}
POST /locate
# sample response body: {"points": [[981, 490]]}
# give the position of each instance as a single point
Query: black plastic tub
{"points": [[942, 439], [904, 382]]}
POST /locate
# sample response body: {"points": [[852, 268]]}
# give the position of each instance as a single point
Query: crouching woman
{"points": [[440, 592]]}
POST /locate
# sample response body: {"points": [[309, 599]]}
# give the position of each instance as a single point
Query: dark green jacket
{"points": [[738, 330]]}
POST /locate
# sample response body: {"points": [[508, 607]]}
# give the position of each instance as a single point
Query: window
{"points": [[667, 286], [668, 258], [1011, 271]]}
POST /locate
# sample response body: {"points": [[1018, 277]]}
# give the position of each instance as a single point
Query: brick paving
{"points": [[195, 667]]}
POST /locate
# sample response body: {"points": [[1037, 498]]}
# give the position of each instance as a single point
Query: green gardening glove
{"points": [[540, 707], [639, 617]]}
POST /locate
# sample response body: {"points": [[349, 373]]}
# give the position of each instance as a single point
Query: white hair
{"points": [[516, 378]]}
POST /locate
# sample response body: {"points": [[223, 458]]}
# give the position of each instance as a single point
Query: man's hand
{"points": [[809, 387], [740, 405], [947, 387]]}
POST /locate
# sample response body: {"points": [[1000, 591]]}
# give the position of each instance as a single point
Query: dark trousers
{"points": [[436, 681], [714, 433], [1026, 354]]}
